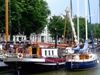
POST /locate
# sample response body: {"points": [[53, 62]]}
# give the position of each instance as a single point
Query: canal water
{"points": [[95, 71]]}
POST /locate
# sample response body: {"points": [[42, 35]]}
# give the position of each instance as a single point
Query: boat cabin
{"points": [[43, 52], [80, 56]]}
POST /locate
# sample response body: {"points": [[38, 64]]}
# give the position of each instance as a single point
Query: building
{"points": [[44, 36], [19, 37]]}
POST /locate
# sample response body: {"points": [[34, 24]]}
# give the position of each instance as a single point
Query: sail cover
{"points": [[77, 48], [85, 47]]}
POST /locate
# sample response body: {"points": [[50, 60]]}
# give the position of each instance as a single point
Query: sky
{"points": [[58, 7]]}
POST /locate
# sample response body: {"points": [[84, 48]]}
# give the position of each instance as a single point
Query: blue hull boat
{"points": [[82, 65]]}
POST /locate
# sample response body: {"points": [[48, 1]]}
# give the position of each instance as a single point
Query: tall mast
{"points": [[71, 16], [78, 20], [86, 18], [6, 2], [99, 11], [65, 28], [71, 7], [91, 26]]}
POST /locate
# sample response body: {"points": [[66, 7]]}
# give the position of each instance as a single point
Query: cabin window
{"points": [[45, 52], [52, 52], [49, 52]]}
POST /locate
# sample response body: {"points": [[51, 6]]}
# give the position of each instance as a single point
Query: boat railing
{"points": [[16, 55], [20, 55]]}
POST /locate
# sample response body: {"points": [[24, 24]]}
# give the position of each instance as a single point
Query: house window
{"points": [[20, 38]]}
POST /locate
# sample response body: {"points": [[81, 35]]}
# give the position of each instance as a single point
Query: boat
{"points": [[37, 58], [33, 57], [84, 58]]}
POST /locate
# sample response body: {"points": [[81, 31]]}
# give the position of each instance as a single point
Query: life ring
{"points": [[20, 55], [4, 56]]}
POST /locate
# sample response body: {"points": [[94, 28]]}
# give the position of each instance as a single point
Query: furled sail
{"points": [[77, 48], [85, 47]]}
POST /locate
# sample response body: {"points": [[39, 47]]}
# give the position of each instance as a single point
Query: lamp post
{"points": [[56, 37]]}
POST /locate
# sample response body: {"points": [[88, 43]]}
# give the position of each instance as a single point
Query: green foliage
{"points": [[82, 27], [96, 30], [58, 23], [56, 26], [26, 16], [2, 17]]}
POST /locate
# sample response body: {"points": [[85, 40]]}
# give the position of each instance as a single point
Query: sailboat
{"points": [[84, 59]]}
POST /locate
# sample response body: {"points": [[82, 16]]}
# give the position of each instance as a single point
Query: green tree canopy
{"points": [[56, 26], [82, 27], [58, 23], [96, 30], [26, 16]]}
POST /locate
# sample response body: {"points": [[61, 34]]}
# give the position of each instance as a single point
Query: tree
{"points": [[27, 16], [56, 26], [58, 23], [82, 27], [2, 16], [96, 30]]}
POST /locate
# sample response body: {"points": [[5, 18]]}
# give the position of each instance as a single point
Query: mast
{"points": [[71, 16], [65, 28], [91, 26], [99, 11], [86, 18], [78, 20], [6, 2], [71, 7]]}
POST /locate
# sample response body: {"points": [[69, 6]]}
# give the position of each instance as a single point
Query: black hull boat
{"points": [[34, 64], [46, 61], [4, 67]]}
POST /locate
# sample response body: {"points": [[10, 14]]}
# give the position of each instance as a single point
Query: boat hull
{"points": [[4, 67], [35, 64], [82, 65]]}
